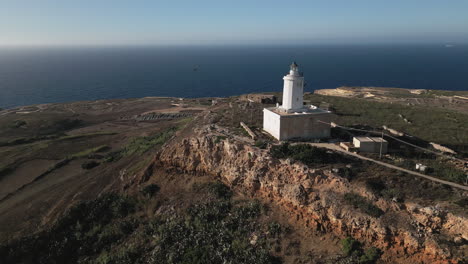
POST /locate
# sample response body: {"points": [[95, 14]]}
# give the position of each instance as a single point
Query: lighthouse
{"points": [[293, 89], [293, 119]]}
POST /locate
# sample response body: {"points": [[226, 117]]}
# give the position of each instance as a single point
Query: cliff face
{"points": [[406, 233]]}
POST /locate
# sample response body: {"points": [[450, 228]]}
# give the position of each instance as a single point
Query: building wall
{"points": [[356, 143], [285, 127], [370, 146], [271, 123], [305, 126]]}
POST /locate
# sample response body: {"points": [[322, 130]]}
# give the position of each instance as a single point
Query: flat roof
{"points": [[370, 139], [304, 111]]}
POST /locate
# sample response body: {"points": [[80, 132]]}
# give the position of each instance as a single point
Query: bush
{"points": [[275, 229], [463, 202], [362, 203], [89, 165], [392, 194], [6, 170], [349, 173], [371, 255], [261, 144], [376, 185], [113, 156], [349, 246], [150, 190], [219, 139], [18, 124], [220, 190], [307, 154]]}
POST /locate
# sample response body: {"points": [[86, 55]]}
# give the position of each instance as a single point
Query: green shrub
{"points": [[371, 255], [220, 190], [87, 152], [362, 203], [349, 173], [275, 229], [18, 124], [89, 165], [463, 202], [150, 190], [307, 154], [375, 185], [251, 210], [113, 156], [6, 170], [349, 246], [123, 255], [261, 144], [393, 194], [219, 139], [445, 171]]}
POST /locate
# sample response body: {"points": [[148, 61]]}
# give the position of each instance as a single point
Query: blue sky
{"points": [[148, 22]]}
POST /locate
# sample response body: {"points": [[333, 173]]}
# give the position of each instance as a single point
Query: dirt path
{"points": [[337, 148]]}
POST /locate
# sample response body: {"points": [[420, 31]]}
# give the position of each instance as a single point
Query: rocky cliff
{"points": [[406, 232]]}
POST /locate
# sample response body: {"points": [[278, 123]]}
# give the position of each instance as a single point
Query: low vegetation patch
{"points": [[392, 194], [89, 165], [443, 129], [5, 170], [111, 229], [87, 152], [216, 232], [363, 204], [355, 253], [150, 190], [71, 137], [26, 140], [307, 154], [141, 145], [445, 171], [18, 124], [217, 189], [220, 138], [85, 230], [261, 144], [61, 125]]}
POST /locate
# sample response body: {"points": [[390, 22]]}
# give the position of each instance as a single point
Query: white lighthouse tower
{"points": [[294, 120], [293, 90]]}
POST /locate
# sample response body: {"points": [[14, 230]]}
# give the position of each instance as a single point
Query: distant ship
{"points": [[195, 68], [449, 45]]}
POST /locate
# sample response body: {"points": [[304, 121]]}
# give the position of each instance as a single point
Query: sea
{"points": [[37, 75]]}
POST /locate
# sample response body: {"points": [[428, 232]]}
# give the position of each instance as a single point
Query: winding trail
{"points": [[334, 147]]}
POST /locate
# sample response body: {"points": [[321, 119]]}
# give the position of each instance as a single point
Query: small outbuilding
{"points": [[370, 144]]}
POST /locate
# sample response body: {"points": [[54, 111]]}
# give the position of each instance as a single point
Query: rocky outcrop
{"points": [[406, 233]]}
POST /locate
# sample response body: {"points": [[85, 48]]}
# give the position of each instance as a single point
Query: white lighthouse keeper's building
{"points": [[294, 120]]}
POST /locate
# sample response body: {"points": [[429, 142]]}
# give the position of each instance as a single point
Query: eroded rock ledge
{"points": [[406, 233]]}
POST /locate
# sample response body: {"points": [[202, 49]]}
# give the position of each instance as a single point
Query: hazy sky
{"points": [[123, 22]]}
